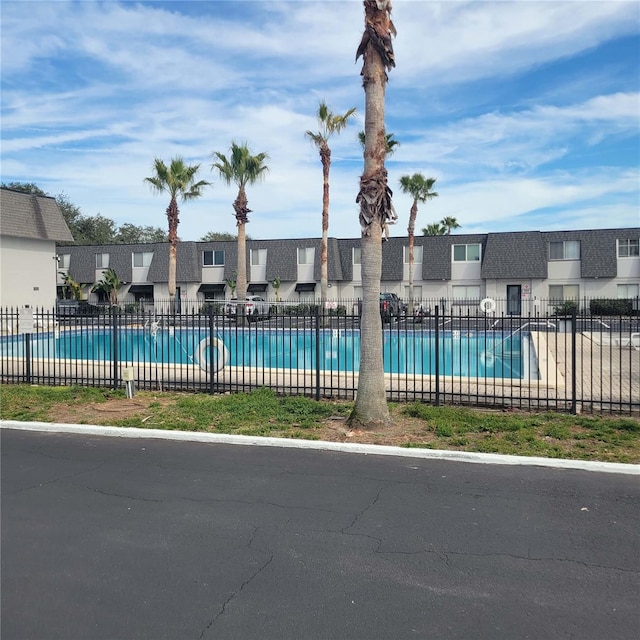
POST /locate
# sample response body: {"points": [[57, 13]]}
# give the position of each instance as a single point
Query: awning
{"points": [[142, 289], [305, 286], [257, 287], [212, 288]]}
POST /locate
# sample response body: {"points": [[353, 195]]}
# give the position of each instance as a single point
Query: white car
{"points": [[255, 307]]}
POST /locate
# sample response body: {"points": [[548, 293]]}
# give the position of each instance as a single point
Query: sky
{"points": [[526, 113]]}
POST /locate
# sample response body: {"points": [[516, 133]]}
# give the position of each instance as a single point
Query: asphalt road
{"points": [[107, 538]]}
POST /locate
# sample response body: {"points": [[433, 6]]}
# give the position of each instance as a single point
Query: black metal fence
{"points": [[575, 363]]}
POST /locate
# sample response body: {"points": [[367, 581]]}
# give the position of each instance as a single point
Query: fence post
{"points": [[317, 329], [114, 334], [211, 354], [27, 356], [574, 372], [437, 356]]}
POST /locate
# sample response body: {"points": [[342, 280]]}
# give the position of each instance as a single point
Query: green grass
{"points": [[263, 413], [547, 434]]}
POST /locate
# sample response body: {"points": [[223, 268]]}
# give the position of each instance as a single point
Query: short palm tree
{"points": [[328, 125], [433, 229], [242, 169], [420, 189], [178, 180], [449, 223], [109, 285]]}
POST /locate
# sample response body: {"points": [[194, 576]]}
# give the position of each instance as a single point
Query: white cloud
{"points": [[93, 91]]}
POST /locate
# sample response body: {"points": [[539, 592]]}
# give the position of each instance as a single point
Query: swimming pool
{"points": [[490, 354]]}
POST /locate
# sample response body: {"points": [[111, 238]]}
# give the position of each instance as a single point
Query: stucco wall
{"points": [[27, 272]]}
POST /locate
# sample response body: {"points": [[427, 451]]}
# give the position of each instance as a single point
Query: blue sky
{"points": [[526, 113]]}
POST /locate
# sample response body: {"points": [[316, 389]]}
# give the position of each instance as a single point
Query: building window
{"points": [[628, 291], [629, 248], [357, 255], [213, 258], [306, 255], [567, 250], [466, 252], [142, 259], [561, 292], [63, 260], [417, 254], [466, 293], [258, 257], [102, 260]]}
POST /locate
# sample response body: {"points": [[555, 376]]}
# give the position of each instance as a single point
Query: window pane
{"points": [[357, 256], [571, 292], [555, 292], [207, 258], [556, 250], [628, 290], [305, 255], [218, 258], [572, 250], [459, 252], [417, 254], [102, 260], [473, 252]]}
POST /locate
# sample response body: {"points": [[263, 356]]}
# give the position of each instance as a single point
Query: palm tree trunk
{"points": [[172, 218], [325, 155], [411, 230], [370, 408], [241, 279]]}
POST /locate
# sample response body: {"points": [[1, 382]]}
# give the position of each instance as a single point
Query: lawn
{"points": [[263, 413]]}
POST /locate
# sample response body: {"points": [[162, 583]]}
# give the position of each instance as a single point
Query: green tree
{"points": [[212, 236], [449, 223], [242, 169], [433, 229], [178, 180], [132, 234], [390, 142], [420, 190], [109, 286], [376, 212], [328, 125]]}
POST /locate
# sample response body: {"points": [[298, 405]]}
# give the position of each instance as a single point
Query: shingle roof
{"points": [[23, 215], [515, 255]]}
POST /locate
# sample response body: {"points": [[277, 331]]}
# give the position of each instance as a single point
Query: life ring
{"points": [[487, 358], [202, 356], [488, 305]]}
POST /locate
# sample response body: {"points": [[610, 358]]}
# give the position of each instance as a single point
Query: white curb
{"points": [[343, 447]]}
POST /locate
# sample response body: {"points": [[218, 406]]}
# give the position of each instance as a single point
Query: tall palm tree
{"points": [[449, 223], [376, 211], [390, 142], [433, 229], [328, 125], [420, 189], [241, 169], [178, 180]]}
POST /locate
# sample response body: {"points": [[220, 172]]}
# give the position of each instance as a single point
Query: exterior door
{"points": [[514, 299]]}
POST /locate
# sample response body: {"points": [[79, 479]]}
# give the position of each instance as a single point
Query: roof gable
{"points": [[34, 217]]}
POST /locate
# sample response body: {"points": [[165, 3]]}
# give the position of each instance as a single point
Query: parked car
{"points": [[67, 308], [255, 307], [391, 306]]}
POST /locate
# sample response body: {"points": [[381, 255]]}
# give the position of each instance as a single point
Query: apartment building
{"points": [[519, 268]]}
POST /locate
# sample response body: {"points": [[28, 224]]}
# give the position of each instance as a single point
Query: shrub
{"points": [[566, 308], [611, 307]]}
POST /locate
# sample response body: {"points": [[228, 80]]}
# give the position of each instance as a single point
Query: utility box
{"points": [[127, 374]]}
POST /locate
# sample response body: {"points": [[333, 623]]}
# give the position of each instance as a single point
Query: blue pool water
{"points": [[474, 354]]}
